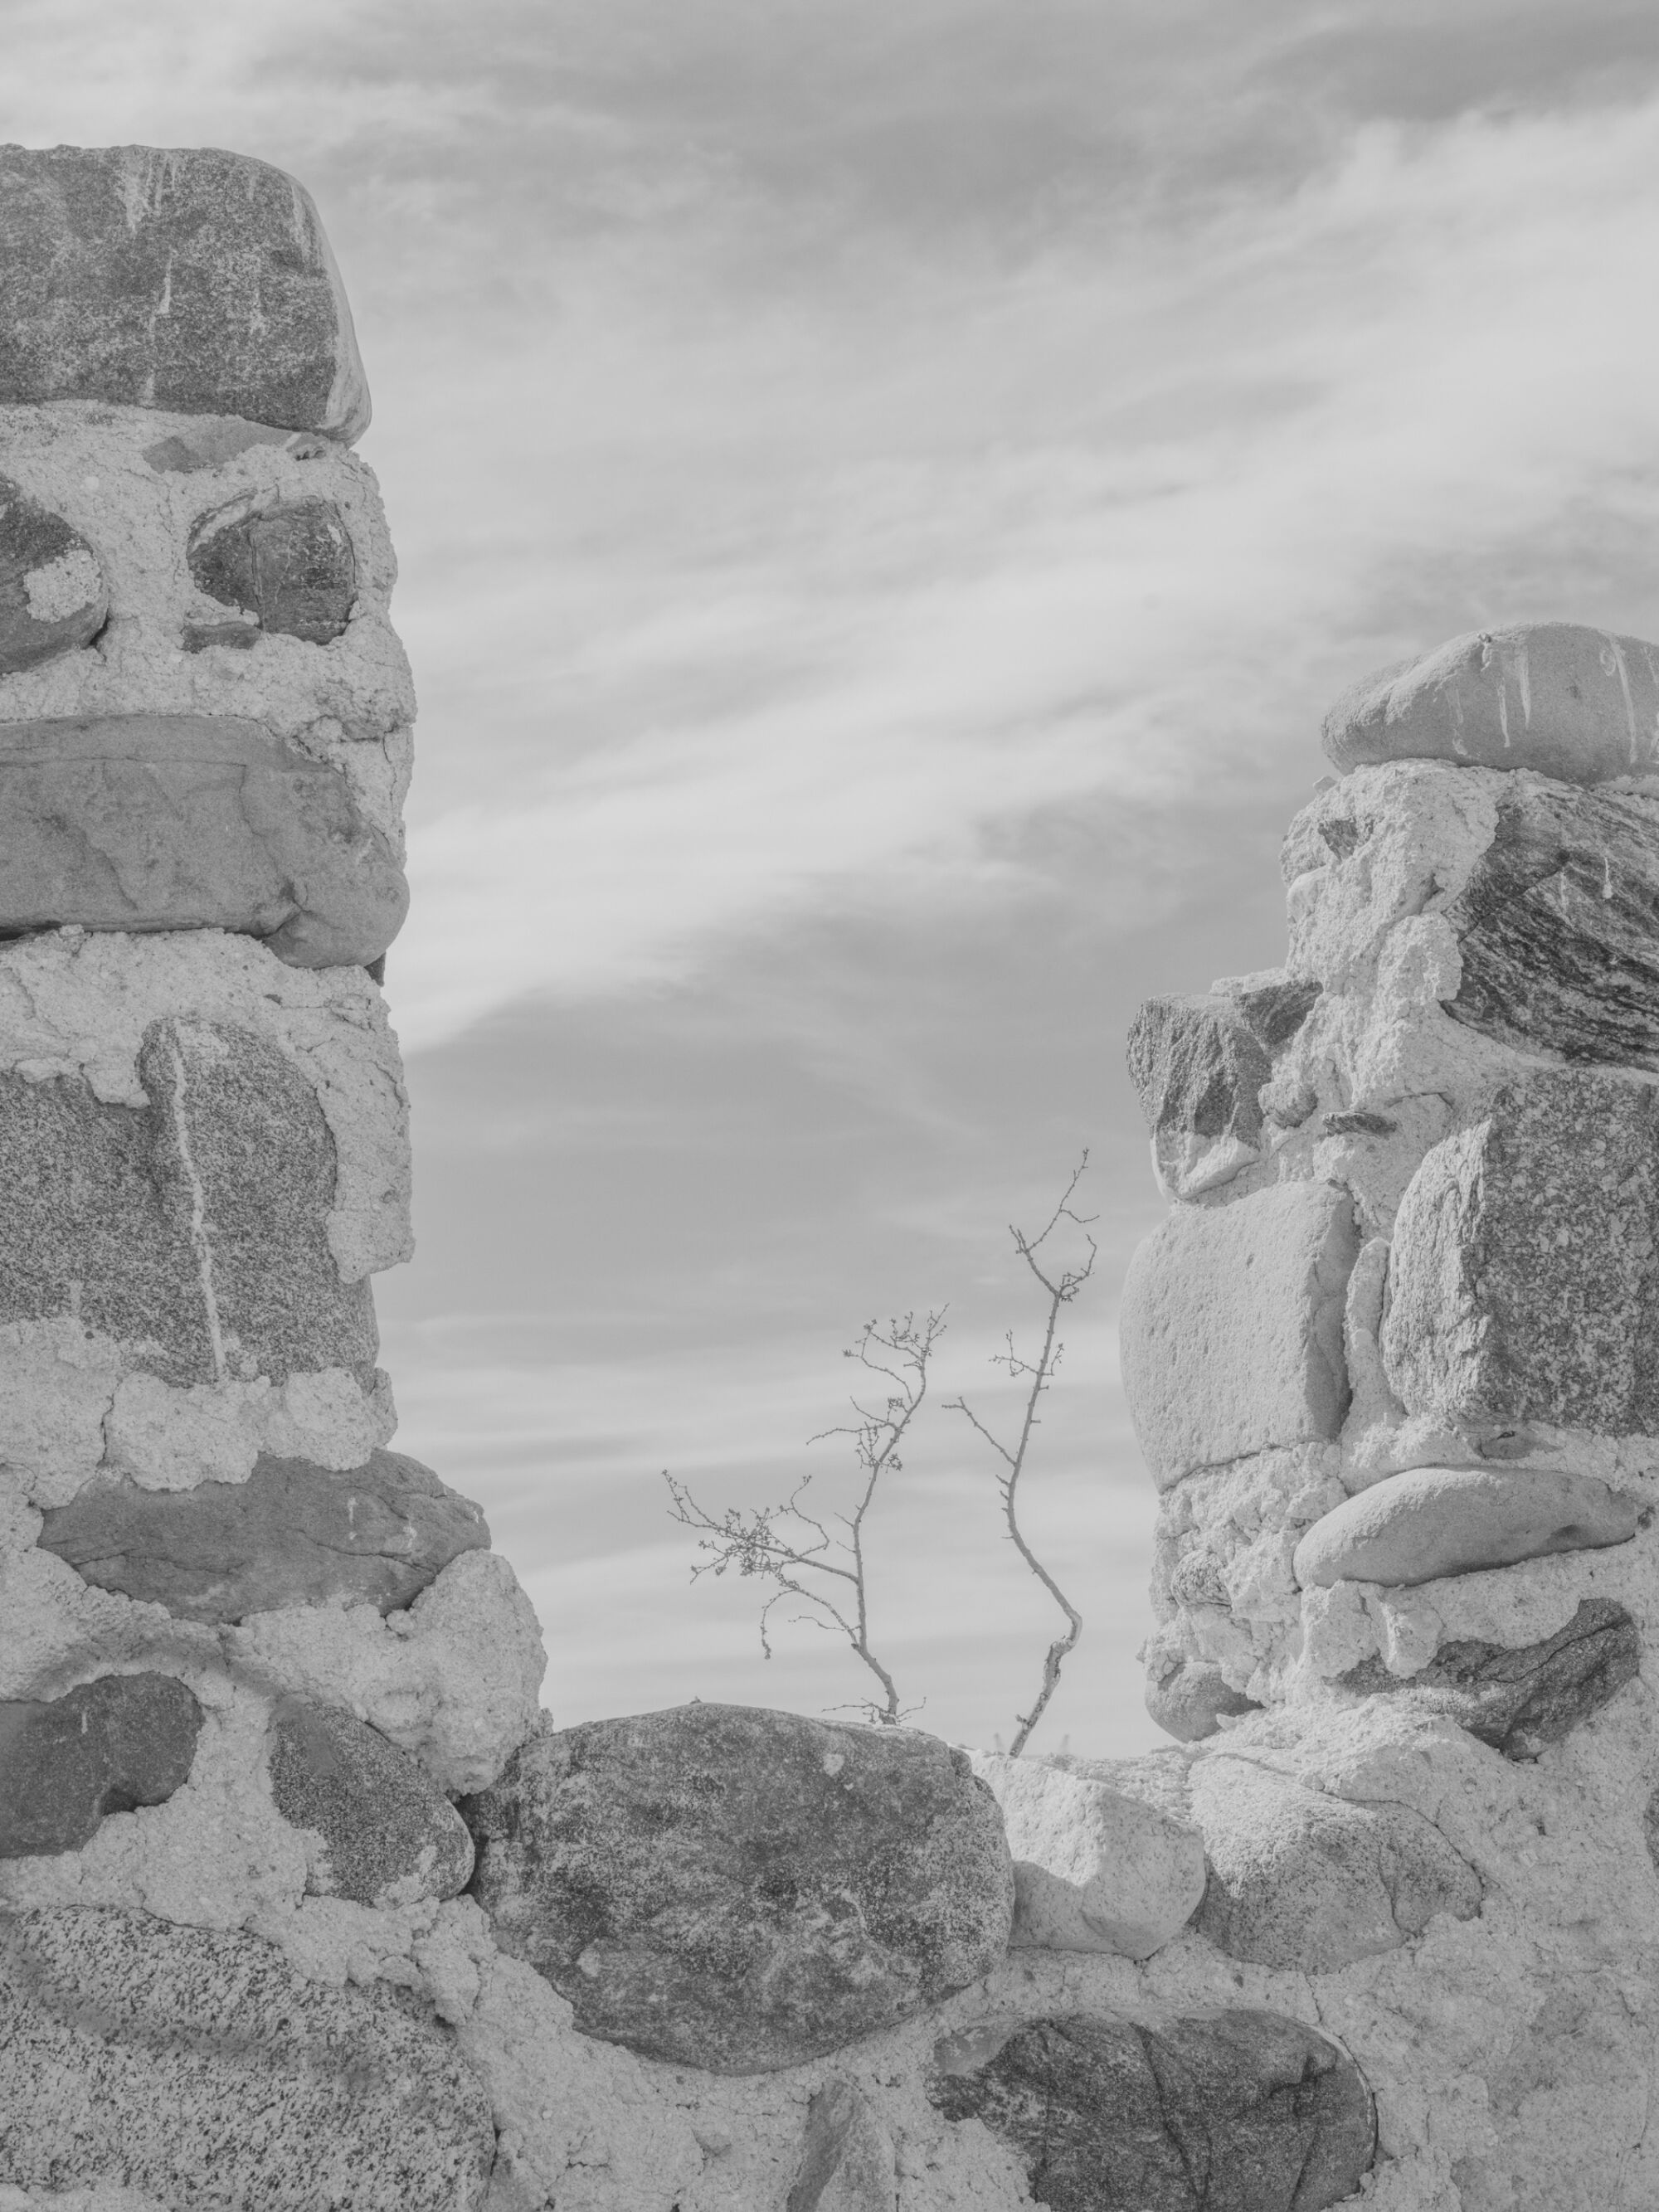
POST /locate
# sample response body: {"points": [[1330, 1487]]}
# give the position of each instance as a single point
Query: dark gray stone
{"points": [[193, 1230], [847, 2161], [53, 592], [1523, 1278], [196, 2067], [1520, 1698], [740, 1890], [1190, 1697], [1559, 926], [389, 1836], [185, 279], [145, 822], [1198, 1062], [1241, 2110], [293, 1533], [1650, 1828], [108, 1746], [292, 565]]}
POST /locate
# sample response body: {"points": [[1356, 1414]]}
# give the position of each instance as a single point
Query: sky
{"points": [[885, 490]]}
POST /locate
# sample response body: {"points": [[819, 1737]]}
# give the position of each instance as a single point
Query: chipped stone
{"points": [[847, 2161], [113, 1744], [53, 593], [1189, 1698], [290, 565]]}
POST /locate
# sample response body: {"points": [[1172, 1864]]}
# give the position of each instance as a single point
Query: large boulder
{"points": [[185, 279], [1435, 1521], [109, 1746], [1576, 703], [293, 1533], [1230, 1332], [198, 2069], [1523, 1276], [384, 1833], [53, 592], [738, 1890], [142, 822], [1240, 2111]]}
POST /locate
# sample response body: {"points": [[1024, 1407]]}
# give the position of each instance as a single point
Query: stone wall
{"points": [[303, 1901]]}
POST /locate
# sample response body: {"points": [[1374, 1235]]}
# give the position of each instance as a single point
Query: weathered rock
{"points": [[149, 822], [1094, 1870], [1189, 1698], [1198, 1064], [740, 1890], [291, 566], [1523, 1278], [1517, 1698], [108, 1746], [386, 1833], [1435, 1521], [1241, 2110], [847, 2163], [53, 592], [292, 1533], [1576, 703], [196, 2067], [185, 279], [1558, 926], [1230, 1331], [1298, 1879], [193, 1231], [213, 440]]}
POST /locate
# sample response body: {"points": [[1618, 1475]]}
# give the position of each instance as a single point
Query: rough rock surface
{"points": [[740, 1890], [1239, 2110], [152, 822], [385, 1834], [1435, 1521], [1572, 703], [1519, 1698], [847, 2161], [1303, 1879], [198, 2069], [187, 279], [1523, 1283], [293, 1533], [289, 566], [113, 1744], [1190, 1697], [193, 1231], [1199, 1065], [1230, 1331], [1094, 1870], [53, 593]]}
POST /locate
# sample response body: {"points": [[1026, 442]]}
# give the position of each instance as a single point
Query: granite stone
{"points": [[385, 1834], [293, 1533], [110, 1746], [1189, 1698], [193, 1230], [53, 596], [185, 279], [1572, 703], [1198, 1064], [290, 565], [1434, 1520], [847, 2163], [149, 822], [1236, 2110], [1523, 1277], [740, 1890], [196, 2067]]}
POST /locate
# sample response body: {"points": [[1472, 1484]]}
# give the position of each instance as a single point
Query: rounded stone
{"points": [[385, 1833], [1435, 1521], [53, 592], [109, 1746]]}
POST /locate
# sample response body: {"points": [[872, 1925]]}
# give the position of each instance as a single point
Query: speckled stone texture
{"points": [[289, 564], [847, 2161], [181, 278], [293, 1533], [1241, 2110], [740, 1890], [385, 1834], [111, 1744], [53, 592], [198, 2068]]}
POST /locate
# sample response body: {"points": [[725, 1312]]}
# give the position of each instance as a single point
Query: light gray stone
{"points": [[185, 279], [846, 2162], [1523, 1276], [1238, 2111], [1190, 1697], [1230, 1331], [148, 822], [1435, 1521], [109, 1746], [1576, 703], [385, 1834], [1094, 1870], [1198, 1064], [196, 2067], [1302, 1880], [293, 1533], [193, 1229], [53, 596], [740, 1890]]}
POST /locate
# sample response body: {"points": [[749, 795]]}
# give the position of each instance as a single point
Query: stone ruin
{"points": [[304, 1904]]}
